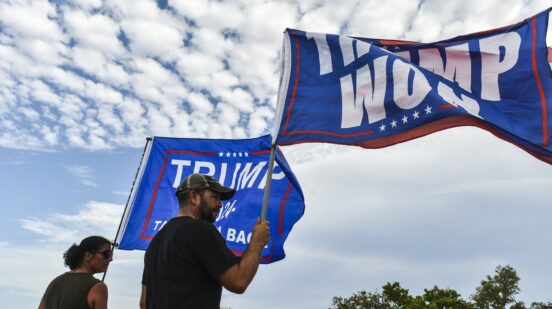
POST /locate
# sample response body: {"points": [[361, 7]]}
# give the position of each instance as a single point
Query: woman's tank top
{"points": [[69, 290]]}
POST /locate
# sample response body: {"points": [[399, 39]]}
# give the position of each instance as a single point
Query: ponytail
{"points": [[74, 256]]}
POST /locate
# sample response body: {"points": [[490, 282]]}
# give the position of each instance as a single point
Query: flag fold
{"points": [[375, 93]]}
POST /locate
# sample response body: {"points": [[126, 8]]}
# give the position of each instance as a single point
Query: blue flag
{"points": [[240, 164], [375, 93]]}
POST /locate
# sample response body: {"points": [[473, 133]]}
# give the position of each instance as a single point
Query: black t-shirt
{"points": [[182, 264]]}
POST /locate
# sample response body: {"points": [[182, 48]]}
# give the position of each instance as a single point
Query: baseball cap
{"points": [[200, 181]]}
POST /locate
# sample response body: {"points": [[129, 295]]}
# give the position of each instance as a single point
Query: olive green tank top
{"points": [[69, 291]]}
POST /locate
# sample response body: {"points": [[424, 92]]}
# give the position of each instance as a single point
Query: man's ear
{"points": [[194, 198]]}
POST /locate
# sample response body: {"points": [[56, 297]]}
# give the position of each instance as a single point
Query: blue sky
{"points": [[83, 83]]}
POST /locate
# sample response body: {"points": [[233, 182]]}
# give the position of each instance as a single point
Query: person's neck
{"points": [[83, 269], [185, 212]]}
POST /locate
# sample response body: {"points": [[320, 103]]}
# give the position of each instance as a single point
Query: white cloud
{"points": [[370, 18], [67, 80], [80, 72], [102, 93], [18, 141], [88, 4], [43, 93], [33, 19], [212, 14], [238, 98], [98, 32], [211, 42], [200, 103], [150, 38], [437, 21], [155, 83], [228, 115], [222, 80], [83, 173], [196, 67], [29, 113], [96, 218], [331, 17], [51, 136], [123, 193], [44, 52], [88, 59]]}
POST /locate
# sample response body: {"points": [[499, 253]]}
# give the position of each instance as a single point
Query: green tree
{"points": [[518, 305], [498, 291], [360, 300], [539, 305], [396, 295], [440, 299]]}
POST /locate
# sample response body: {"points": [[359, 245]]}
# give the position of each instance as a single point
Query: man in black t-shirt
{"points": [[187, 263]]}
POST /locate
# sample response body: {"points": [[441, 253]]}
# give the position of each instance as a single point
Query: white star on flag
{"points": [[234, 154], [416, 114], [404, 119], [393, 123], [428, 109], [382, 127], [227, 154], [221, 154], [240, 154]]}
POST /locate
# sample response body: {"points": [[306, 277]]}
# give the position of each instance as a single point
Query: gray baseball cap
{"points": [[198, 182]]}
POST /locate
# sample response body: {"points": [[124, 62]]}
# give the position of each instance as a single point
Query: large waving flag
{"points": [[240, 164], [375, 93]]}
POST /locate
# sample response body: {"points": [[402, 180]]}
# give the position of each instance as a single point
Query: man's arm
{"points": [[143, 297], [97, 296], [238, 277]]}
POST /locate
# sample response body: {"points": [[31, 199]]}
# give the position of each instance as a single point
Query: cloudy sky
{"points": [[83, 83]]}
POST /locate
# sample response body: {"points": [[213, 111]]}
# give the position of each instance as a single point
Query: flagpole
{"points": [[114, 243], [268, 182], [282, 86]]}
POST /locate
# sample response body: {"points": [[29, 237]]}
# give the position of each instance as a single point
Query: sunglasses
{"points": [[106, 254]]}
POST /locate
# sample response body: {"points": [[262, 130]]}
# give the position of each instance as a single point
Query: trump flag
{"points": [[240, 164], [375, 93]]}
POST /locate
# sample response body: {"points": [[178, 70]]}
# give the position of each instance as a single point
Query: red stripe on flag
{"points": [[260, 152], [282, 206], [154, 195], [152, 202], [539, 85], [204, 153], [447, 105], [331, 133], [438, 125]]}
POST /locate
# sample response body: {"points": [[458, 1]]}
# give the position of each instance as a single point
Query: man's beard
{"points": [[206, 213]]}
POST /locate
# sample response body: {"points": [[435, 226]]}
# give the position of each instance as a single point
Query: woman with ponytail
{"points": [[77, 288]]}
